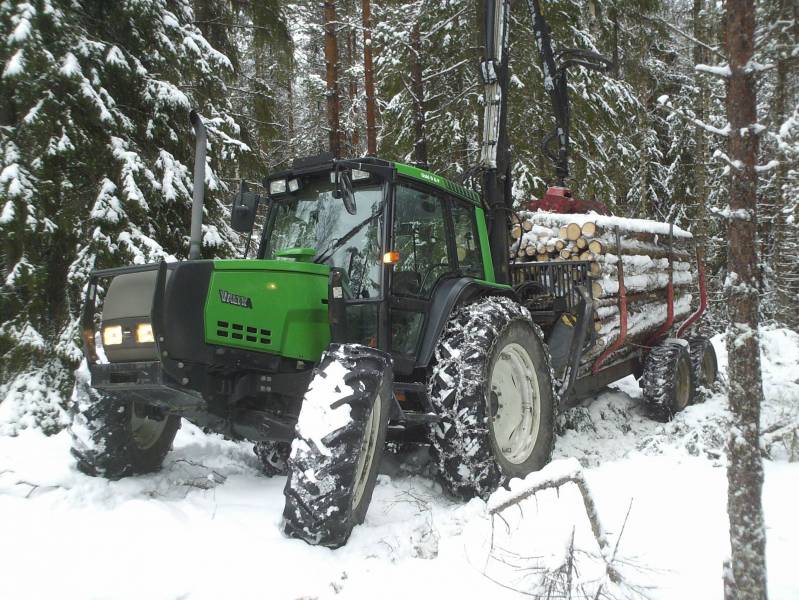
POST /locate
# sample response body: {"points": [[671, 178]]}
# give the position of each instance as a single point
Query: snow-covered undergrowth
{"points": [[207, 525]]}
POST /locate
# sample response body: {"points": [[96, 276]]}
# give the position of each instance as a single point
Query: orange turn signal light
{"points": [[391, 258]]}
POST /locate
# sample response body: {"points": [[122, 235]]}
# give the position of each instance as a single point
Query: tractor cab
{"points": [[390, 236]]}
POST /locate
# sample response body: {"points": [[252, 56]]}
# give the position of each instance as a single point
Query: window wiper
{"points": [[346, 237]]}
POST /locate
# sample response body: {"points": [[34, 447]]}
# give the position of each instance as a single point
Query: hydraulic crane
{"points": [[495, 152]]}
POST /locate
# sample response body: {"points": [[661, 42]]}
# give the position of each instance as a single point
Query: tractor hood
{"points": [[274, 306], [202, 310]]}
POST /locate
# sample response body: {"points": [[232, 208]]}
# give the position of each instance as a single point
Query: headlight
{"points": [[294, 185], [358, 175], [144, 333], [112, 336], [277, 186]]}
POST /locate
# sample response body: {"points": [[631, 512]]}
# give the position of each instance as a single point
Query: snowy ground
{"points": [[207, 525]]}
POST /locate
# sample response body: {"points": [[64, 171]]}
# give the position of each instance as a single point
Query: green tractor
{"points": [[382, 305], [371, 313]]}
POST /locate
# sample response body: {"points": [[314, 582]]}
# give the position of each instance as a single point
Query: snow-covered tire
{"points": [[273, 457], [489, 346], [705, 366], [668, 380], [338, 445], [113, 438]]}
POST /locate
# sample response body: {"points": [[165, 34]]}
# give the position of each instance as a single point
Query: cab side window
{"points": [[467, 244], [420, 238]]}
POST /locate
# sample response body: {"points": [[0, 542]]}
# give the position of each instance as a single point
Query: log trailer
{"points": [[381, 305]]}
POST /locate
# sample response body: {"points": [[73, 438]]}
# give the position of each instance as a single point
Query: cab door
{"points": [[423, 235]]}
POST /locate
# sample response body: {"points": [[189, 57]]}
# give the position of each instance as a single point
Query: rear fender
{"points": [[449, 294]]}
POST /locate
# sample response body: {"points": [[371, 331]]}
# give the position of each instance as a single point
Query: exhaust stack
{"points": [[195, 244]]}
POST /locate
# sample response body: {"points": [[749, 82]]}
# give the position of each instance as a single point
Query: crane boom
{"points": [[554, 68], [494, 153]]}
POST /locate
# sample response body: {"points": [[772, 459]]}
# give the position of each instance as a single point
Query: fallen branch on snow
{"points": [[555, 475]]}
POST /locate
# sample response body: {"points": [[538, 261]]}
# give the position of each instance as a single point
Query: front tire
{"points": [[492, 387], [335, 455], [114, 438]]}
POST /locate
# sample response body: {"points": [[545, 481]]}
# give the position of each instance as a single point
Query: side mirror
{"points": [[344, 190], [243, 209]]}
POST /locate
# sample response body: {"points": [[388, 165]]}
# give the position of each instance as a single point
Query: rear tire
{"points": [[705, 366], [114, 438], [340, 434], [668, 380], [492, 387]]}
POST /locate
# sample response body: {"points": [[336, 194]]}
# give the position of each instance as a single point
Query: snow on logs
{"points": [[643, 247]]}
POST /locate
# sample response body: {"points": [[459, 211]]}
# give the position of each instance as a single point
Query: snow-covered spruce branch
{"points": [[724, 132], [717, 70], [738, 165], [725, 72], [555, 475], [740, 214], [682, 33], [663, 102]]}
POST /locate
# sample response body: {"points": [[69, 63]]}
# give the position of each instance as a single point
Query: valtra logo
{"points": [[234, 299]]}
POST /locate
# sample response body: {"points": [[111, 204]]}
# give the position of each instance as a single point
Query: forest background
{"points": [[96, 148]]}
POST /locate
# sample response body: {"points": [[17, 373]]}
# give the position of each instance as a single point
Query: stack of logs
{"points": [[643, 247]]}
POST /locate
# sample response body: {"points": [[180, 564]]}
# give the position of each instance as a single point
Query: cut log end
{"points": [[588, 229], [573, 231]]}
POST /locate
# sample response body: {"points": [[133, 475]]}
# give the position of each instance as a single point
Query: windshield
{"points": [[313, 218]]}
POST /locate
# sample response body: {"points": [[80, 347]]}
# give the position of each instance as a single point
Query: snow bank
{"points": [[210, 495]]}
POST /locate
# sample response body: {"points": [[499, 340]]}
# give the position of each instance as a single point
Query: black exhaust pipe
{"points": [[195, 245]]}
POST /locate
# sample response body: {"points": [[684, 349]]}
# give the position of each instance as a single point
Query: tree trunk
{"points": [[355, 137], [745, 468], [700, 151], [417, 91], [369, 79], [331, 78], [292, 134], [614, 37], [786, 276]]}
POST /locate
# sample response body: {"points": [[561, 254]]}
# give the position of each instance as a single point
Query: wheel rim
{"points": [[683, 391], [516, 404], [144, 431], [366, 455]]}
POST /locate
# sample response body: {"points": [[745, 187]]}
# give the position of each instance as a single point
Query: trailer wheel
{"points": [[705, 366], [492, 388], [339, 441], [112, 438], [273, 457], [668, 380]]}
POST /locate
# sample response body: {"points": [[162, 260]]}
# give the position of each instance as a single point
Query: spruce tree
{"points": [[96, 151]]}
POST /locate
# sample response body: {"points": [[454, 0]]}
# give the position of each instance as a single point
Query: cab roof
{"points": [[325, 161]]}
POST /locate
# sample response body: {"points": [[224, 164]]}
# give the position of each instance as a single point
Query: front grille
{"points": [[244, 332]]}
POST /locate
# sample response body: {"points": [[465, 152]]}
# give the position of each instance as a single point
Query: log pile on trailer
{"points": [[654, 261]]}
